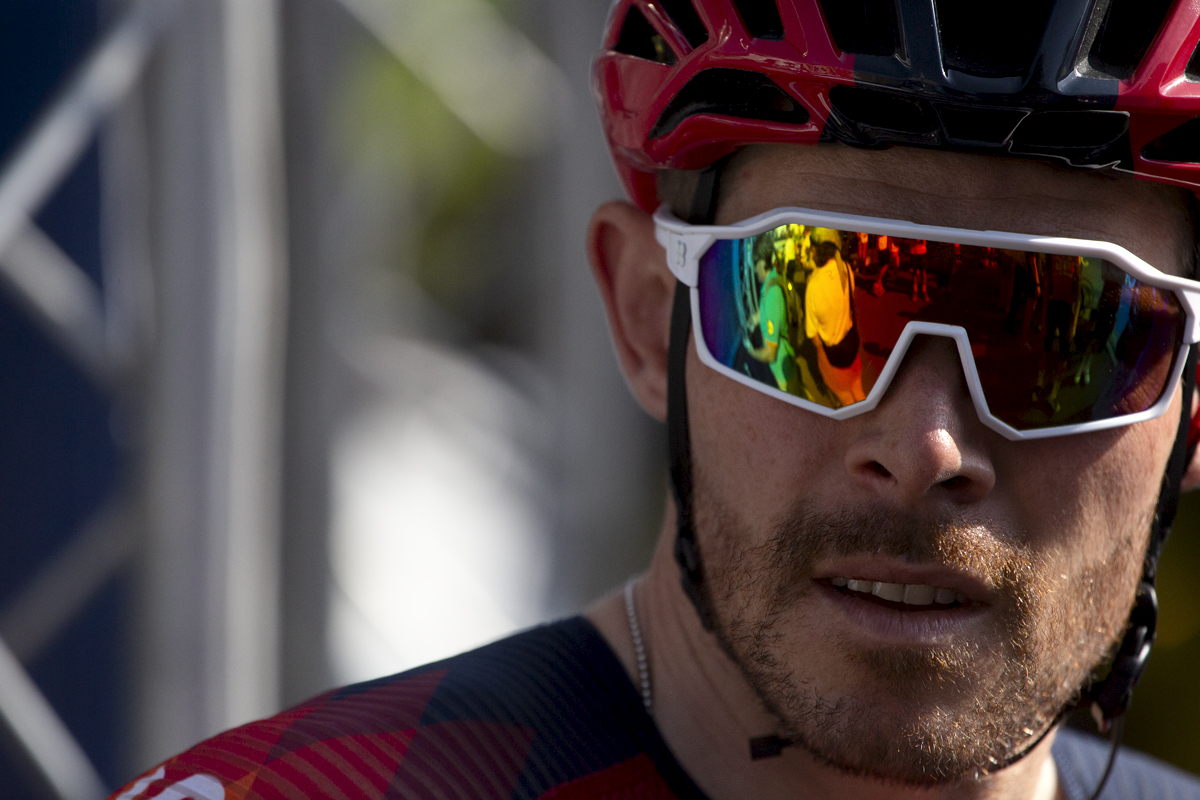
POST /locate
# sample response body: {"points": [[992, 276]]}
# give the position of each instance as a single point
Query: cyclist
{"points": [[897, 595]]}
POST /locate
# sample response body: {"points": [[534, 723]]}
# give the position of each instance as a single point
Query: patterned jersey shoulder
{"points": [[548, 713]]}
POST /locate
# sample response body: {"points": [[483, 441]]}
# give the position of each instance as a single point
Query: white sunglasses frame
{"points": [[685, 244]]}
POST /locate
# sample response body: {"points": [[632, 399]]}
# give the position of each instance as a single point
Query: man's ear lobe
{"points": [[631, 272]]}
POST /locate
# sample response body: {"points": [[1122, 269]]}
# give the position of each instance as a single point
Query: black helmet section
{"points": [[867, 116], [1037, 48], [1028, 77]]}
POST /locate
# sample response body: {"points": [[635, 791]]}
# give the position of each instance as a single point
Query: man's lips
{"points": [[904, 604], [895, 580], [912, 595]]}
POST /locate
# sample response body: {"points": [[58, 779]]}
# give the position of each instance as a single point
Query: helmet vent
{"points": [[1081, 137], [1178, 146], [975, 126], [761, 18], [638, 38], [991, 40], [1192, 70], [1125, 35], [863, 27], [880, 116], [684, 15], [731, 93]]}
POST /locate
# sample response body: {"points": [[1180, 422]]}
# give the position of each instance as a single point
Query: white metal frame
{"points": [[685, 244], [54, 289], [202, 518]]}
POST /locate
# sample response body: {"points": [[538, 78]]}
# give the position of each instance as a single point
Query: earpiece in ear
{"points": [[1111, 696]]}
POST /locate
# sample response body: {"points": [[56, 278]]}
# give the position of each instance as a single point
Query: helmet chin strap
{"points": [[687, 549], [702, 210], [1110, 696]]}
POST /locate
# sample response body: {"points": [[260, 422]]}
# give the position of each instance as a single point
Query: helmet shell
{"points": [[682, 83]]}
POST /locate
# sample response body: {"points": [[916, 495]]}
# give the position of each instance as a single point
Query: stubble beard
{"points": [[922, 716]]}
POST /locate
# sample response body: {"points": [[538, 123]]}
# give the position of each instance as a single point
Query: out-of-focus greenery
{"points": [[447, 174], [1166, 705]]}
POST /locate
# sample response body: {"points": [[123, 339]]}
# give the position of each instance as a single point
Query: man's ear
{"points": [[631, 271], [1191, 476]]}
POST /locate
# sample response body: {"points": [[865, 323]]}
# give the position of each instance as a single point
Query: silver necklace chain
{"points": [[639, 646]]}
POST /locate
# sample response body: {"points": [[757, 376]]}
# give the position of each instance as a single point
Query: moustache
{"points": [[806, 536]]}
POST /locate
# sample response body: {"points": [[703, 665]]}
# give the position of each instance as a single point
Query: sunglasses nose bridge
{"points": [[925, 435], [903, 348]]}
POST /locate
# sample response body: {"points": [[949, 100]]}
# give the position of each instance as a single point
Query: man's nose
{"points": [[924, 442]]}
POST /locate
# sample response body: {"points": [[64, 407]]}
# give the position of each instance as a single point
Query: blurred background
{"points": [[303, 379]]}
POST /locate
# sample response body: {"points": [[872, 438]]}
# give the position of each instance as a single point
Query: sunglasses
{"points": [[1056, 336]]}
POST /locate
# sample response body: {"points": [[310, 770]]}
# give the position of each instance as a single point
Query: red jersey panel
{"points": [[548, 713]]}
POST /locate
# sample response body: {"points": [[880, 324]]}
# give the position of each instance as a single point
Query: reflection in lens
{"points": [[1057, 339]]}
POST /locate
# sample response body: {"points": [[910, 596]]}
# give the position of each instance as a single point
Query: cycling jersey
{"points": [[549, 713]]}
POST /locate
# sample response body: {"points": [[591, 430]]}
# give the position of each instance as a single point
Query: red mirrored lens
{"points": [[1057, 340]]}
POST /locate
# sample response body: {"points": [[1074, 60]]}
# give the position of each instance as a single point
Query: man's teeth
{"points": [[907, 593]]}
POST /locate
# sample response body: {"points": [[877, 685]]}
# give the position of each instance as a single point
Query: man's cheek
{"points": [[1104, 533], [762, 455], [1071, 507]]}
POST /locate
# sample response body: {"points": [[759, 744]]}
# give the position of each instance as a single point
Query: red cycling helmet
{"points": [[682, 83]]}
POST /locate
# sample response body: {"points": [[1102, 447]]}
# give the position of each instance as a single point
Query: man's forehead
{"points": [[964, 190]]}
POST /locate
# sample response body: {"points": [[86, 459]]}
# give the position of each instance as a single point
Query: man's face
{"points": [[1043, 539]]}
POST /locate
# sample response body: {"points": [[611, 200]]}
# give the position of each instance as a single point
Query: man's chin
{"points": [[910, 715], [912, 742], [926, 705]]}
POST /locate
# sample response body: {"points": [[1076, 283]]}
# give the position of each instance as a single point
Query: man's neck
{"points": [[707, 712]]}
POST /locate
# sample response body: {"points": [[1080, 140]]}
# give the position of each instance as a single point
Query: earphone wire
{"points": [[1118, 727]]}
